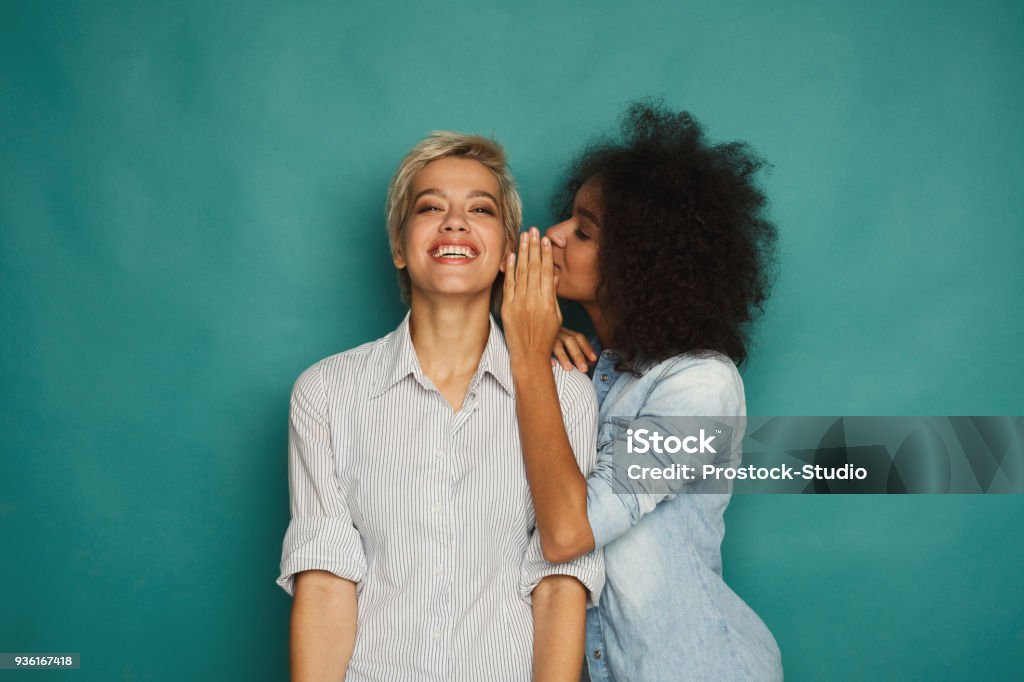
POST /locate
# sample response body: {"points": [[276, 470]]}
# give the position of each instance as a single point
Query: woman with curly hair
{"points": [[666, 245]]}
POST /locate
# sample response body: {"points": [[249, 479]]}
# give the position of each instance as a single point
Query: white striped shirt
{"points": [[427, 510]]}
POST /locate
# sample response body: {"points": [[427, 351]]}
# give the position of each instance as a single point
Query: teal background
{"points": [[191, 212]]}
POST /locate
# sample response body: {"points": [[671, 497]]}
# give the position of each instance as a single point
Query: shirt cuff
{"points": [[588, 569], [325, 543]]}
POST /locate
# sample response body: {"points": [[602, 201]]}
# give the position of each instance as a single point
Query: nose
{"points": [[454, 226], [558, 233]]}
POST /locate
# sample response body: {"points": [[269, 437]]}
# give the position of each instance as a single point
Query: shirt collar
{"points": [[400, 360], [495, 360], [605, 360], [610, 358]]}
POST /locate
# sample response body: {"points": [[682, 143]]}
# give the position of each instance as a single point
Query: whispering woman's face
{"points": [[454, 241], [575, 242]]}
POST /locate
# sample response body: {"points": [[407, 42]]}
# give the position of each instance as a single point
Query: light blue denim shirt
{"points": [[666, 613]]}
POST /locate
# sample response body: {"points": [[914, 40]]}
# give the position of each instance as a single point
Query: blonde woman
{"points": [[412, 552]]}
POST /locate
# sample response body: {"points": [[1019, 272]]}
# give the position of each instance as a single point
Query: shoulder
{"points": [[713, 368], [347, 368], [369, 354], [694, 384], [571, 382], [575, 389]]}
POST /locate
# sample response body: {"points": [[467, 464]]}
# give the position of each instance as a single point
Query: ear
{"points": [[509, 248], [398, 259]]}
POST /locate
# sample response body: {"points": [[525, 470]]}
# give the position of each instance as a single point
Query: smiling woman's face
{"points": [[575, 243], [454, 241]]}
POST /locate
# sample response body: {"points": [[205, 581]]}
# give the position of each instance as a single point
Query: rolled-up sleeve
{"points": [[579, 414], [320, 534]]}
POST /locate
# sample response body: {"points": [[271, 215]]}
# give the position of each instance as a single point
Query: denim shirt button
{"points": [[604, 377], [597, 653]]}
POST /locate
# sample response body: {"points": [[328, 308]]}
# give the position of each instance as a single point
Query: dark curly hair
{"points": [[687, 251]]}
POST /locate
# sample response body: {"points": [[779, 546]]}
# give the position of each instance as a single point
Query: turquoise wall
{"points": [[191, 213]]}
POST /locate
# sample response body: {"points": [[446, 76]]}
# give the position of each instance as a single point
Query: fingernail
{"points": [[545, 241]]}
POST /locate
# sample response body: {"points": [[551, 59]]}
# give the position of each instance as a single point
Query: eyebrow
{"points": [[589, 216], [473, 194]]}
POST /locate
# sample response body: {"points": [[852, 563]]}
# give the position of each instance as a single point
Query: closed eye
{"points": [[581, 235]]}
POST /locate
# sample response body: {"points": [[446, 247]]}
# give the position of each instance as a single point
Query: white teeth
{"points": [[453, 251]]}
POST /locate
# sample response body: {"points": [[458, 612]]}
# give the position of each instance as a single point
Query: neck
{"points": [[449, 334], [602, 325]]}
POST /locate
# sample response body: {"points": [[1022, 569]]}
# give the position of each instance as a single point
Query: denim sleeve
{"points": [[685, 386]]}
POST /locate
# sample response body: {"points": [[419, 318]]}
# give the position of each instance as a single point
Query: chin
{"points": [[456, 289]]}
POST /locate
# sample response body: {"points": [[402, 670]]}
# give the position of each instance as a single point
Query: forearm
{"points": [[559, 628], [557, 485], [323, 627]]}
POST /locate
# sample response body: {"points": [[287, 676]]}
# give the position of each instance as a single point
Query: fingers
{"points": [[521, 262], [573, 349], [576, 356], [533, 266], [582, 341], [560, 356], [578, 346], [510, 277], [554, 295], [547, 269]]}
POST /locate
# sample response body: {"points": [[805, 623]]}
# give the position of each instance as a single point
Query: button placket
{"points": [[441, 455]]}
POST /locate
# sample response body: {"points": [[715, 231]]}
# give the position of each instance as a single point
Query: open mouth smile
{"points": [[453, 252]]}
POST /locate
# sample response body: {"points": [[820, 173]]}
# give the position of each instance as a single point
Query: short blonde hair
{"points": [[438, 145]]}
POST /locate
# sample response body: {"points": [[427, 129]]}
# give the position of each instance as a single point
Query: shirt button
{"points": [[439, 570], [439, 454], [597, 653], [604, 377], [436, 634], [437, 508]]}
